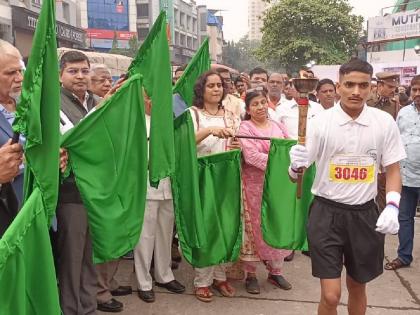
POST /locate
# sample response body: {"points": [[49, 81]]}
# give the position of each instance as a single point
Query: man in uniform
{"points": [[386, 100], [349, 144], [385, 95]]}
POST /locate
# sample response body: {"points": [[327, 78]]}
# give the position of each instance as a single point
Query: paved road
{"points": [[394, 293]]}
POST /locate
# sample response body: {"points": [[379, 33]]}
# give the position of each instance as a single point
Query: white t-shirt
{"points": [[348, 153], [288, 114]]}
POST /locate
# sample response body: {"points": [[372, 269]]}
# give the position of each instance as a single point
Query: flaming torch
{"points": [[303, 87]]}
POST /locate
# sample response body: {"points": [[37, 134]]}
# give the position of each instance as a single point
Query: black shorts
{"points": [[340, 234]]}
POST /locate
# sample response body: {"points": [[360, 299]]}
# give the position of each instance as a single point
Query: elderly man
{"points": [[10, 88], [100, 85], [275, 90], [100, 79]]}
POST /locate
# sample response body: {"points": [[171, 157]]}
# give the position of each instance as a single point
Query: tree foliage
{"points": [[241, 55], [131, 51], [296, 32]]}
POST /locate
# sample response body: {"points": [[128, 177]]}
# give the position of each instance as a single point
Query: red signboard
{"points": [[108, 34]]}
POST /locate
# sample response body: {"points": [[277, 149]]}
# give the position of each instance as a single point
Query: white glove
{"points": [[299, 157], [388, 220]]}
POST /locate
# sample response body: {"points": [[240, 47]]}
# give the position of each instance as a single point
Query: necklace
{"points": [[205, 109]]}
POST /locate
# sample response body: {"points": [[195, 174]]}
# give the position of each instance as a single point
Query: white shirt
{"points": [[164, 191], [288, 114], [334, 135]]}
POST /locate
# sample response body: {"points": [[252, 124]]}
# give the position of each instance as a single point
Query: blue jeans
{"points": [[409, 199]]}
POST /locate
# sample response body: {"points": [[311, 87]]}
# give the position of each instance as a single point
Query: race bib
{"points": [[352, 169]]}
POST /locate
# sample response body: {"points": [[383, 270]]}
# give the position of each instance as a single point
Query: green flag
{"points": [[185, 187], [38, 113], [283, 216], [28, 285], [27, 274], [198, 65], [153, 62], [108, 156], [219, 177]]}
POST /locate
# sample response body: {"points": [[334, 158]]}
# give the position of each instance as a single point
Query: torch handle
{"points": [[303, 114]]}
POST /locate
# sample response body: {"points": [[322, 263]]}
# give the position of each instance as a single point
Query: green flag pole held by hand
{"points": [[153, 63], [207, 199], [283, 216], [28, 284], [108, 156]]}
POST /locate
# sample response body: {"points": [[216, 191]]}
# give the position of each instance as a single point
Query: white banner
{"points": [[394, 26]]}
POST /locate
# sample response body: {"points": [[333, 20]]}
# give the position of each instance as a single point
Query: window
{"points": [[182, 20], [182, 40], [176, 17], [194, 25], [176, 38], [189, 26], [66, 12], [142, 32], [37, 3], [108, 14], [189, 42], [143, 10], [203, 22]]}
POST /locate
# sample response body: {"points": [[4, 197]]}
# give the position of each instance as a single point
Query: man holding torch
{"points": [[349, 144]]}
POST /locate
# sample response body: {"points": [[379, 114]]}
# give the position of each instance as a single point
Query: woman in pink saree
{"points": [[255, 155]]}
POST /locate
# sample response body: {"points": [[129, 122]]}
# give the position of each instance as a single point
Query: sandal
{"points": [[224, 288], [395, 264], [203, 294]]}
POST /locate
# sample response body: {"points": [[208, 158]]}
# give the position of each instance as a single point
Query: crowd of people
{"points": [[364, 142]]}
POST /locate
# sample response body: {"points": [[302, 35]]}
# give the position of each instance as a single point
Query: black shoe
{"points": [[279, 281], [290, 257], [147, 296], [122, 290], [172, 286], [112, 306]]}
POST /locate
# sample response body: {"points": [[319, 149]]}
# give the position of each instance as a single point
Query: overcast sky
{"points": [[236, 13]]}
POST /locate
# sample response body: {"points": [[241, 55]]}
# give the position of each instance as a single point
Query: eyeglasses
{"points": [[74, 71], [102, 81]]}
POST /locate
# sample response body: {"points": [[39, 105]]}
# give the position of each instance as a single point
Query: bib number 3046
{"points": [[351, 172]]}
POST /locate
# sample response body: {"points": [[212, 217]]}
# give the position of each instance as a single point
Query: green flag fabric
{"points": [[153, 62], [108, 156], [283, 216], [198, 65], [28, 285], [40, 103], [185, 186], [220, 194]]}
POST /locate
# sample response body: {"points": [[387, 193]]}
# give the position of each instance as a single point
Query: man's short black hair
{"points": [[238, 79], [72, 56], [181, 68], [258, 70], [323, 82], [357, 65]]}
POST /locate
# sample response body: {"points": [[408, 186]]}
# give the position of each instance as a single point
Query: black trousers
{"points": [[8, 207]]}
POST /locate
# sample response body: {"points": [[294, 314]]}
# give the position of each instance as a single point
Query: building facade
{"points": [[18, 20], [256, 9], [211, 25], [108, 22], [182, 21]]}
